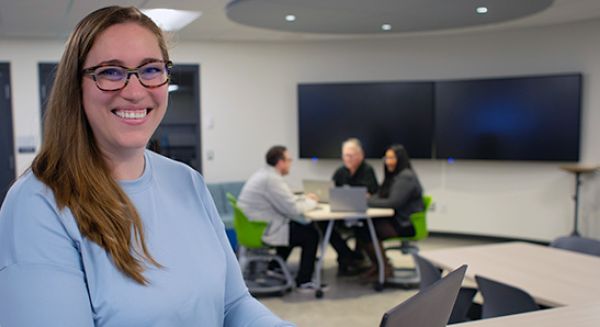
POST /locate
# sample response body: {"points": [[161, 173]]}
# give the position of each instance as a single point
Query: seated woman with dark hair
{"points": [[400, 190]]}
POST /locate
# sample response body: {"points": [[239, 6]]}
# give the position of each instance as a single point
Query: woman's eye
{"points": [[110, 73], [151, 70]]}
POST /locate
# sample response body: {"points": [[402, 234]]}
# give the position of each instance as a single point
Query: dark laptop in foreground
{"points": [[349, 199], [428, 308]]}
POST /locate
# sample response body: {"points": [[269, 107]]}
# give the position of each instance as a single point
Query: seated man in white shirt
{"points": [[266, 197]]}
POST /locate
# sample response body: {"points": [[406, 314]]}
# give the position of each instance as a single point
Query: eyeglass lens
{"points": [[115, 77]]}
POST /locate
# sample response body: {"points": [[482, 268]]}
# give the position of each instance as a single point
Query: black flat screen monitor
{"points": [[523, 118], [378, 114]]}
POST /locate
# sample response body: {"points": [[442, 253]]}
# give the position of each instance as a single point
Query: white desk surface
{"points": [[579, 315], [323, 212], [552, 276]]}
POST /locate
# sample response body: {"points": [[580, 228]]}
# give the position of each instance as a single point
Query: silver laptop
{"points": [[319, 187], [431, 307], [348, 199]]}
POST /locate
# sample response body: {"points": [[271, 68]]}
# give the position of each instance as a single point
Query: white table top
{"points": [[552, 276], [580, 315], [323, 212]]}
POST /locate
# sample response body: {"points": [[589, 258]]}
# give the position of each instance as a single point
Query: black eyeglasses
{"points": [[114, 77]]}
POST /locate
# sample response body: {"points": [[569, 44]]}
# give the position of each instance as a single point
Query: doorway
{"points": [[7, 149], [178, 135], [46, 75]]}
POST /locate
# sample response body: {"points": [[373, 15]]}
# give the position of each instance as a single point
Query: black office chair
{"points": [[431, 274], [577, 244], [500, 299]]}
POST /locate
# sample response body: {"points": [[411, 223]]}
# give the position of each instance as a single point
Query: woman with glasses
{"points": [[400, 190], [101, 231]]}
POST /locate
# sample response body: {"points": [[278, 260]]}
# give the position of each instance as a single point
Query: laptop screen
{"points": [[350, 199], [431, 307], [318, 187]]}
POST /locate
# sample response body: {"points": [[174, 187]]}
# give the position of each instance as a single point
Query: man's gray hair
{"points": [[355, 142]]}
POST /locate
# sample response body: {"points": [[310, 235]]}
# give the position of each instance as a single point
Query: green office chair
{"points": [[254, 256], [403, 276]]}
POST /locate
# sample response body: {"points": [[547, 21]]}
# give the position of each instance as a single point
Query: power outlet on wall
{"points": [[438, 207], [432, 207], [442, 208]]}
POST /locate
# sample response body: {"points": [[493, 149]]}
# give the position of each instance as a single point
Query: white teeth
{"points": [[138, 114]]}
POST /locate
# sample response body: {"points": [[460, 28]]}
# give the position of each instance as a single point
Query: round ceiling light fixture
{"points": [[481, 10]]}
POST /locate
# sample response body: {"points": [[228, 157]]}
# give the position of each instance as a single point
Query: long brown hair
{"points": [[71, 163]]}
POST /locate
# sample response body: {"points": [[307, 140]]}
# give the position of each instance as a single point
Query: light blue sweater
{"points": [[51, 275]]}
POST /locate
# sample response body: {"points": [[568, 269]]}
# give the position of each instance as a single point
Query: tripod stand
{"points": [[578, 170]]}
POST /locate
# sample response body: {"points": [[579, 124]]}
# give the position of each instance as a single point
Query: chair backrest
{"points": [[430, 307], [577, 244], [429, 273], [249, 233], [500, 299], [419, 221]]}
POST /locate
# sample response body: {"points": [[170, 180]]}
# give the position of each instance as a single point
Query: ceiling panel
{"points": [[55, 19], [33, 17]]}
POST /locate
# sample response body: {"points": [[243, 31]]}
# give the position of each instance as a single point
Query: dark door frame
{"points": [[194, 70], [7, 160]]}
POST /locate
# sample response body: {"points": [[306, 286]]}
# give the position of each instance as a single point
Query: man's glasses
{"points": [[113, 77]]}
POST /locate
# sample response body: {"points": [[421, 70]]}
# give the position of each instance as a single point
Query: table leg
{"points": [[326, 237], [378, 254]]}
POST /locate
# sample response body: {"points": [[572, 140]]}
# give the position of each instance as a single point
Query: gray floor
{"points": [[348, 302]]}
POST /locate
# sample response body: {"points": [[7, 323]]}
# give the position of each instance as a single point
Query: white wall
{"points": [[248, 98]]}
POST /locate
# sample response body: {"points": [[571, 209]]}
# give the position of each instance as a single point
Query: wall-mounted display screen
{"points": [[378, 113], [525, 118]]}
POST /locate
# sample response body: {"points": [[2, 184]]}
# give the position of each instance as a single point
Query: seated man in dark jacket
{"points": [[355, 172]]}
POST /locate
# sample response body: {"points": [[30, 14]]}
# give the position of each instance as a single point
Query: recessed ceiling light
{"points": [[290, 18], [386, 27], [171, 20], [481, 10]]}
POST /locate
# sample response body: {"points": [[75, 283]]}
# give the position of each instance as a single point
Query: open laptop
{"points": [[430, 307], [348, 198], [318, 187]]}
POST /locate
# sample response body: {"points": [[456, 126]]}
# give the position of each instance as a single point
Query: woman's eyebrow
{"points": [[115, 62], [118, 62]]}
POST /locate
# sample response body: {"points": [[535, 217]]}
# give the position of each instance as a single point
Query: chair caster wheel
{"points": [[378, 287], [319, 294]]}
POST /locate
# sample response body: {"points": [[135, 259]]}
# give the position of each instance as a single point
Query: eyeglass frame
{"points": [[90, 71]]}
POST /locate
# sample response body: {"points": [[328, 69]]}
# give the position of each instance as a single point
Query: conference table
{"points": [[554, 278], [323, 213], [579, 315]]}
